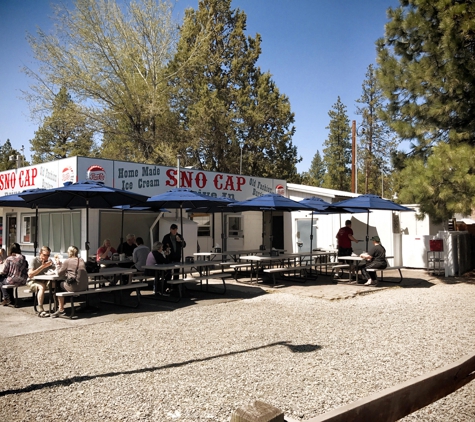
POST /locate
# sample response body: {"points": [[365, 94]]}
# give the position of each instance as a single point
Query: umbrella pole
{"points": [[182, 251], [87, 228], [271, 237], [263, 229], [214, 233], [223, 248], [311, 243], [122, 230], [367, 231], [35, 244], [311, 234]]}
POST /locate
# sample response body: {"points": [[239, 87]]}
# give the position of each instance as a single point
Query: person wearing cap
{"points": [[174, 243], [375, 258]]}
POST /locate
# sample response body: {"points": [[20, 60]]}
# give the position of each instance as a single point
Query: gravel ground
{"points": [[304, 355]]}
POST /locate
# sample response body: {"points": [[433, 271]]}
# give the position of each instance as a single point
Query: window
{"points": [[60, 230], [28, 228], [235, 226], [204, 224]]}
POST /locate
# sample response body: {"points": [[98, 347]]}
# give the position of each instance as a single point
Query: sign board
{"points": [[146, 179]]}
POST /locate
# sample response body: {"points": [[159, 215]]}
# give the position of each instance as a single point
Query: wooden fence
{"points": [[388, 405]]}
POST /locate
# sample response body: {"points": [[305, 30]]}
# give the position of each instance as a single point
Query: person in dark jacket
{"points": [[375, 259], [173, 243]]}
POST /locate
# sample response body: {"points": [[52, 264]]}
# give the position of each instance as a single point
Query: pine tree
{"points": [[316, 172], [337, 151], [427, 72], [7, 152], [63, 134], [444, 184], [225, 103], [377, 142]]}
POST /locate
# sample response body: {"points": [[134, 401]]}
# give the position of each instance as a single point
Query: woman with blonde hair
{"points": [[74, 272]]}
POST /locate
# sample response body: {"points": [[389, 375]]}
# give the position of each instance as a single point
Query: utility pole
{"points": [[353, 156]]}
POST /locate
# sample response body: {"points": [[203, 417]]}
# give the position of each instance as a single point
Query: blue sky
{"points": [[316, 50]]}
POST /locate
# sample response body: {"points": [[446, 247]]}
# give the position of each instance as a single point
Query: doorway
{"points": [[278, 231]]}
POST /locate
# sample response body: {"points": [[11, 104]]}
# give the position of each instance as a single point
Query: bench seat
{"points": [[294, 269], [398, 268], [200, 279], [15, 292], [99, 290]]}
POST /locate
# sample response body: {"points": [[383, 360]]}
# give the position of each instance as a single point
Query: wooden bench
{"points": [[284, 270], [339, 267], [237, 268], [108, 289], [15, 292], [325, 265], [388, 268], [222, 276]]}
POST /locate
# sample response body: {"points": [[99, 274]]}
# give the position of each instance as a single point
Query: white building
{"points": [[404, 237]]}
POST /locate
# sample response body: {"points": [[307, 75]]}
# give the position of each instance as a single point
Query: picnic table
{"points": [[288, 262], [234, 255], [104, 275], [202, 267]]}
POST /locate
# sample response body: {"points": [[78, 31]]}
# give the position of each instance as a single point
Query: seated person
{"points": [[140, 254], [39, 266], [14, 272], [375, 258], [158, 256], [106, 251], [75, 267], [128, 246]]}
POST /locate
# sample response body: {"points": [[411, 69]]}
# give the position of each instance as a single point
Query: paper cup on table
{"points": [[122, 257]]}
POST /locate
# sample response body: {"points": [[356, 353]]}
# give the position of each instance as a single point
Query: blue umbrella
{"points": [[270, 201], [84, 194], [182, 198], [370, 202], [18, 202]]}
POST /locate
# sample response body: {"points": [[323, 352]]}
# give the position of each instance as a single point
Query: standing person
{"points": [[344, 238], [140, 254], [106, 251], [128, 246], [14, 272], [174, 243], [39, 266], [72, 267], [375, 258]]}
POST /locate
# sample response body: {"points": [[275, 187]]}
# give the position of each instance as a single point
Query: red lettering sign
{"points": [[233, 183], [171, 174], [201, 180], [7, 181]]}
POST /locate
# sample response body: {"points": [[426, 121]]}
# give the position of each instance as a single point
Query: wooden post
{"points": [[396, 402], [258, 412]]}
